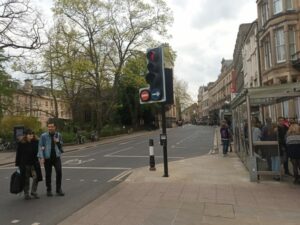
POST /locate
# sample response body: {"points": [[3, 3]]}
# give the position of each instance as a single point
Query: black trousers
{"points": [[48, 169]]}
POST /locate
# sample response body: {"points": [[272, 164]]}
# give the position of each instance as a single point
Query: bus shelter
{"points": [[250, 111]]}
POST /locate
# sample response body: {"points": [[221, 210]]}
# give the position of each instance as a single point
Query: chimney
{"points": [[28, 86]]}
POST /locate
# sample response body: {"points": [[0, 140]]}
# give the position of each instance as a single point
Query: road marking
{"points": [[81, 180], [97, 168], [95, 180], [35, 223], [124, 143], [77, 161], [73, 156], [140, 156], [82, 168], [120, 176], [122, 150], [15, 221]]}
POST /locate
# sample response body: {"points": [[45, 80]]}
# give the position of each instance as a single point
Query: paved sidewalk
{"points": [[206, 190]]}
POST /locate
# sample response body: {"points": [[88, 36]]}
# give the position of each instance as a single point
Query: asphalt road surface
{"points": [[90, 172]]}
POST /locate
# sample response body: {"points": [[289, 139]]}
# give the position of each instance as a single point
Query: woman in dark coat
{"points": [[28, 163], [293, 149]]}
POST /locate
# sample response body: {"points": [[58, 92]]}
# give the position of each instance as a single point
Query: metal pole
{"points": [[151, 153], [164, 133]]}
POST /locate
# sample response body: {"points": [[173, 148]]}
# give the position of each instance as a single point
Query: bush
{"points": [[111, 130], [68, 137], [8, 123]]}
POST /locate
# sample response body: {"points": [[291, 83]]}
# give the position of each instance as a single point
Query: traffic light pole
{"points": [[164, 139]]}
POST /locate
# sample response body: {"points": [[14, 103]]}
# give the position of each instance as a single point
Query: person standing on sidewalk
{"points": [[50, 150], [28, 163], [282, 129], [293, 149], [225, 137]]}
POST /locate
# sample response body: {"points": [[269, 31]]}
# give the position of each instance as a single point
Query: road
{"points": [[90, 172]]}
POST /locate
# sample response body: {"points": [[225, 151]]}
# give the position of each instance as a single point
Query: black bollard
{"points": [[151, 153]]}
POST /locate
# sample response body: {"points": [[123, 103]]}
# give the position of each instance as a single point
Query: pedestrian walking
{"points": [[282, 129], [50, 150], [28, 163], [225, 137], [293, 149]]}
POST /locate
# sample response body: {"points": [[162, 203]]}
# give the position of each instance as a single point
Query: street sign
{"points": [[155, 94], [145, 95]]}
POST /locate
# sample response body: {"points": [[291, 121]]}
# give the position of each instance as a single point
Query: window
{"points": [[277, 6], [279, 45], [264, 13], [289, 4], [292, 41], [267, 53]]}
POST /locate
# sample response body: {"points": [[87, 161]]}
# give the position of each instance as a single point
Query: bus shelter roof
{"points": [[267, 95]]}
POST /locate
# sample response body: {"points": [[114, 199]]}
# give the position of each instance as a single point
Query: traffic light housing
{"points": [[156, 74]]}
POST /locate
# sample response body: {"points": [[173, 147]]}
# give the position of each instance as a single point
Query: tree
{"points": [[182, 98], [130, 83], [109, 33], [20, 25], [6, 87]]}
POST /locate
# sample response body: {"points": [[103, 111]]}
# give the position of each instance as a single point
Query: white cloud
{"points": [[204, 32]]}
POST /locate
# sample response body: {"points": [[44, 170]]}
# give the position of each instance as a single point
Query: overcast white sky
{"points": [[204, 31]]}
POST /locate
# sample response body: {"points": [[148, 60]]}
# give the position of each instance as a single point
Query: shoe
{"points": [[27, 197], [35, 195], [49, 194], [60, 193]]}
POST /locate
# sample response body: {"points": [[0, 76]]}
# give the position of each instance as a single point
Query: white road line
{"points": [[97, 168], [35, 223], [124, 143], [120, 176], [139, 156], [122, 150], [77, 156], [82, 168], [15, 221]]}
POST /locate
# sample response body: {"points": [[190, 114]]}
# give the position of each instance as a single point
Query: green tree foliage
{"points": [[182, 98], [130, 83], [7, 124], [108, 33], [6, 87]]}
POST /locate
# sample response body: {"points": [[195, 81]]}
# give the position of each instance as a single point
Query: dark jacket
{"points": [[27, 156]]}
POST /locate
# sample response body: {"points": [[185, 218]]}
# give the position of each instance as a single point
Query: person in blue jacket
{"points": [[50, 150]]}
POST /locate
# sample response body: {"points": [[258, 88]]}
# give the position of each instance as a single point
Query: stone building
{"points": [[37, 101], [250, 57], [279, 38]]}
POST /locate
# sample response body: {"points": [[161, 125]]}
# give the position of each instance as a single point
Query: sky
{"points": [[203, 32]]}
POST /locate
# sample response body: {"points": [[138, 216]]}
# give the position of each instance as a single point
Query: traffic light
{"points": [[156, 74]]}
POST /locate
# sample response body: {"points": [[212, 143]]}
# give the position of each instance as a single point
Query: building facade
{"points": [[279, 38], [250, 57], [36, 101]]}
